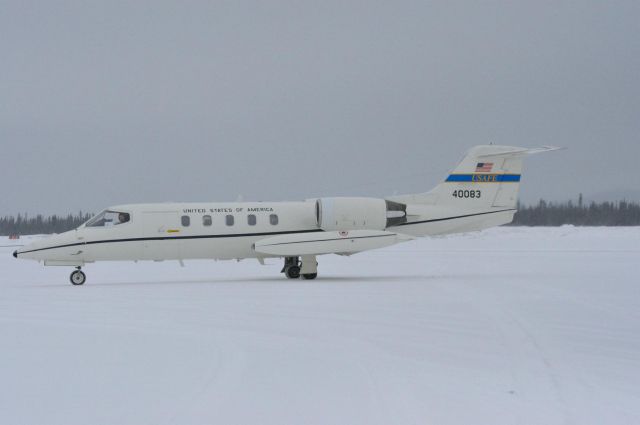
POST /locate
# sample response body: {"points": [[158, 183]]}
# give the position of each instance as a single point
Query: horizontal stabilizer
{"points": [[328, 242], [511, 151]]}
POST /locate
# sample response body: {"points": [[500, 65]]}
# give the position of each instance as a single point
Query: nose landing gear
{"points": [[77, 277]]}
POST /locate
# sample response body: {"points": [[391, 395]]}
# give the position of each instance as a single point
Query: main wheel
{"points": [[77, 277], [292, 272], [310, 276]]}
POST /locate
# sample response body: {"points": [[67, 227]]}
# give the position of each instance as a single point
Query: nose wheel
{"points": [[77, 277]]}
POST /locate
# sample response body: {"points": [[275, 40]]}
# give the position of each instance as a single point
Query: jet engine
{"points": [[358, 213]]}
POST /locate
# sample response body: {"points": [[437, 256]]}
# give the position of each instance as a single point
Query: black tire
{"points": [[77, 278], [292, 272], [310, 276]]}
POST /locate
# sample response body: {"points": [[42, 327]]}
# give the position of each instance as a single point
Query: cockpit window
{"points": [[109, 218]]}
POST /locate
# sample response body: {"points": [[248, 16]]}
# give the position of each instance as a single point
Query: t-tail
{"points": [[480, 192]]}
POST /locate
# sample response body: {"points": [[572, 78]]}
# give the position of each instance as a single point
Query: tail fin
{"points": [[488, 176]]}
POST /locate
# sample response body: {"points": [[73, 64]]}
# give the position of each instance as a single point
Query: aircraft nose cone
{"points": [[15, 254]]}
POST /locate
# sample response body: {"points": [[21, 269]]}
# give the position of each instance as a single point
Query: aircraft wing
{"points": [[317, 243]]}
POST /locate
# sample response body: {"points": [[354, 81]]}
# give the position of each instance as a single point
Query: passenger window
{"points": [[229, 220], [273, 219], [185, 220], [206, 220], [251, 219]]}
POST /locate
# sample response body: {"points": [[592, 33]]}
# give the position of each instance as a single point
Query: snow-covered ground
{"points": [[507, 326]]}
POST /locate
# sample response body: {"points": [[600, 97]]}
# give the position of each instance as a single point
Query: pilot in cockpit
{"points": [[123, 217]]}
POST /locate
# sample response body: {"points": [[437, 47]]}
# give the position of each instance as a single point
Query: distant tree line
{"points": [[39, 224], [622, 213]]}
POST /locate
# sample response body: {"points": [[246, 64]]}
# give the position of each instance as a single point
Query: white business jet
{"points": [[480, 192]]}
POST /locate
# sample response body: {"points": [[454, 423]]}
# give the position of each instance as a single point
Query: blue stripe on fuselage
{"points": [[483, 178]]}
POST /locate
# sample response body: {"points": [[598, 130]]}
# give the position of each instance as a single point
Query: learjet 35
{"points": [[480, 192]]}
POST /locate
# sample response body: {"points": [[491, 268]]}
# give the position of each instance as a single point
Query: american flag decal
{"points": [[484, 167]]}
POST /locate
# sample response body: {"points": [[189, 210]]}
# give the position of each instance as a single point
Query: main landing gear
{"points": [[294, 268], [77, 277]]}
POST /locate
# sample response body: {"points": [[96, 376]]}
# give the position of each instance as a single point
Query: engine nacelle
{"points": [[358, 213]]}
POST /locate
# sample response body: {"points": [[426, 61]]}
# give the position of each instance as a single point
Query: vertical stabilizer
{"points": [[488, 176]]}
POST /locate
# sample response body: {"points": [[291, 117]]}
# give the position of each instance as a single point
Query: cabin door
{"points": [[161, 233]]}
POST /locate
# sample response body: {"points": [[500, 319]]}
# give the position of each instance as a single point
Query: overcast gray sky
{"points": [[118, 102]]}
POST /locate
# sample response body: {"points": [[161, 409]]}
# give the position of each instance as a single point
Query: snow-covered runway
{"points": [[507, 326]]}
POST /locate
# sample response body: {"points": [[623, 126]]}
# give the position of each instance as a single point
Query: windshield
{"points": [[108, 218]]}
